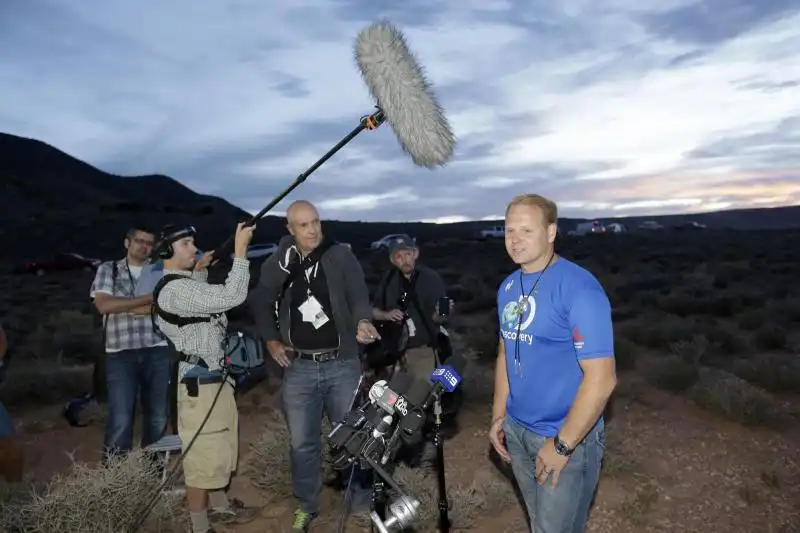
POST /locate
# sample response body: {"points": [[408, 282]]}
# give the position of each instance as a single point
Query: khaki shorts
{"points": [[215, 452]]}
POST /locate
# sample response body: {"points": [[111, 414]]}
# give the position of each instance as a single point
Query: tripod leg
{"points": [[444, 505]]}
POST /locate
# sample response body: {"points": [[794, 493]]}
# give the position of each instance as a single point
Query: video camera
{"points": [[372, 434]]}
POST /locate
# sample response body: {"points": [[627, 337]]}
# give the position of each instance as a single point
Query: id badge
{"points": [[312, 312], [412, 328]]}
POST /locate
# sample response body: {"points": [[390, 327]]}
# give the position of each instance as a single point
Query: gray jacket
{"points": [[346, 285]]}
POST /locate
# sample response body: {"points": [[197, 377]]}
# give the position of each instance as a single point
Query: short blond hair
{"points": [[548, 207]]}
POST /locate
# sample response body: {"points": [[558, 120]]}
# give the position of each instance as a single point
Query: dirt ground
{"points": [[669, 467]]}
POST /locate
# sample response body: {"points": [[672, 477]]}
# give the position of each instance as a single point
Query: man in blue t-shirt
{"points": [[555, 371]]}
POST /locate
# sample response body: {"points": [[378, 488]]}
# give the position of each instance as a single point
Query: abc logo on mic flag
{"points": [[447, 377]]}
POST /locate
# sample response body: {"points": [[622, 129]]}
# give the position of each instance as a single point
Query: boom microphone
{"points": [[405, 101], [398, 83]]}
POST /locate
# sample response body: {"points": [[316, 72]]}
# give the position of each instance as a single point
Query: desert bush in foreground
{"points": [[92, 499], [730, 396]]}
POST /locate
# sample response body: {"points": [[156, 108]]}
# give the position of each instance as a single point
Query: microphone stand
{"points": [[444, 506], [379, 498], [368, 122]]}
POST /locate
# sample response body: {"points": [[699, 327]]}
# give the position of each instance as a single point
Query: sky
{"points": [[609, 108]]}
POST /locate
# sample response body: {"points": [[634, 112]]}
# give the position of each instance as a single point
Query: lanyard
{"points": [[521, 309]]}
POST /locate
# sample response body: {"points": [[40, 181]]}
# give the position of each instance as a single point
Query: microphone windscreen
{"points": [[400, 382], [418, 393], [398, 84]]}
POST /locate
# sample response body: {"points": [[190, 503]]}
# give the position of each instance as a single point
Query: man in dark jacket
{"points": [[323, 313]]}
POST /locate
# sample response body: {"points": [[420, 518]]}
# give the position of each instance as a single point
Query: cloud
{"points": [[622, 108]]}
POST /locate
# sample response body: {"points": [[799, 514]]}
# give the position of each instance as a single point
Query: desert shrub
{"points": [[657, 331], [732, 397], [790, 309], [97, 499], [69, 336], [771, 337], [29, 384], [268, 467], [722, 341], [624, 355], [774, 372], [678, 304], [751, 320], [727, 275], [679, 371]]}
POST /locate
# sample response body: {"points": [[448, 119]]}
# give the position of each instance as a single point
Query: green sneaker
{"points": [[302, 521]]}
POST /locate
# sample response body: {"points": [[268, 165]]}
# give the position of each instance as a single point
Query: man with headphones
{"points": [[191, 313]]}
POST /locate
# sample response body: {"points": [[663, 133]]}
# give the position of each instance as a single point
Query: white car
{"points": [[495, 232], [254, 251], [384, 241]]}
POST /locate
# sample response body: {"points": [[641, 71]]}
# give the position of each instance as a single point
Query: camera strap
{"points": [[409, 286], [298, 267]]}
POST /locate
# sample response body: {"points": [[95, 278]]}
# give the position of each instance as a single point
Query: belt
{"points": [[319, 357], [202, 380], [193, 383]]}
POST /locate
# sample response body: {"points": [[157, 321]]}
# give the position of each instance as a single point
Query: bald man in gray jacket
{"points": [[323, 313]]}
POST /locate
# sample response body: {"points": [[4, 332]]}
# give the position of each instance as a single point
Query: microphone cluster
{"points": [[395, 413]]}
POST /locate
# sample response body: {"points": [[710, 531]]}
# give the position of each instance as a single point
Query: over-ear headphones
{"points": [[169, 236]]}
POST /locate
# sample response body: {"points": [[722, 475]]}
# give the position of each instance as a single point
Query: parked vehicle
{"points": [[585, 228], [255, 251], [384, 241], [616, 227], [494, 232], [61, 262], [650, 225]]}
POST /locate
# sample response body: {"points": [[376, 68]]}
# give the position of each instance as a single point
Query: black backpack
{"points": [[176, 320]]}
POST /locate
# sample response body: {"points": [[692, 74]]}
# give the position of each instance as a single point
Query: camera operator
{"points": [[184, 293], [410, 292], [323, 313]]}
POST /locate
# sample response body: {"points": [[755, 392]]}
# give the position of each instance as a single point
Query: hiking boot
{"points": [[236, 513], [302, 521]]}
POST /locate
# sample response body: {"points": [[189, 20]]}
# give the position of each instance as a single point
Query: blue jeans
{"points": [[564, 509], [308, 388], [129, 373]]}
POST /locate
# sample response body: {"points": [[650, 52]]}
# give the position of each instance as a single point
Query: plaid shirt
{"points": [[124, 331], [196, 297]]}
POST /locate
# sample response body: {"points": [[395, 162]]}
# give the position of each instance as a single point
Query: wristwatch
{"points": [[561, 447]]}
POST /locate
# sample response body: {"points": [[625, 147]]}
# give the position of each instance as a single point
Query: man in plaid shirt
{"points": [[191, 313], [137, 357]]}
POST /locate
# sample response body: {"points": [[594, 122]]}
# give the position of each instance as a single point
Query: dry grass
{"points": [[487, 492], [92, 499]]}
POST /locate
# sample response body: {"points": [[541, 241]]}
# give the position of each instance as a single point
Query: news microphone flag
{"points": [[447, 377]]}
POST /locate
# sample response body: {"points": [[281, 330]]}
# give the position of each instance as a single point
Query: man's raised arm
{"points": [[190, 296]]}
